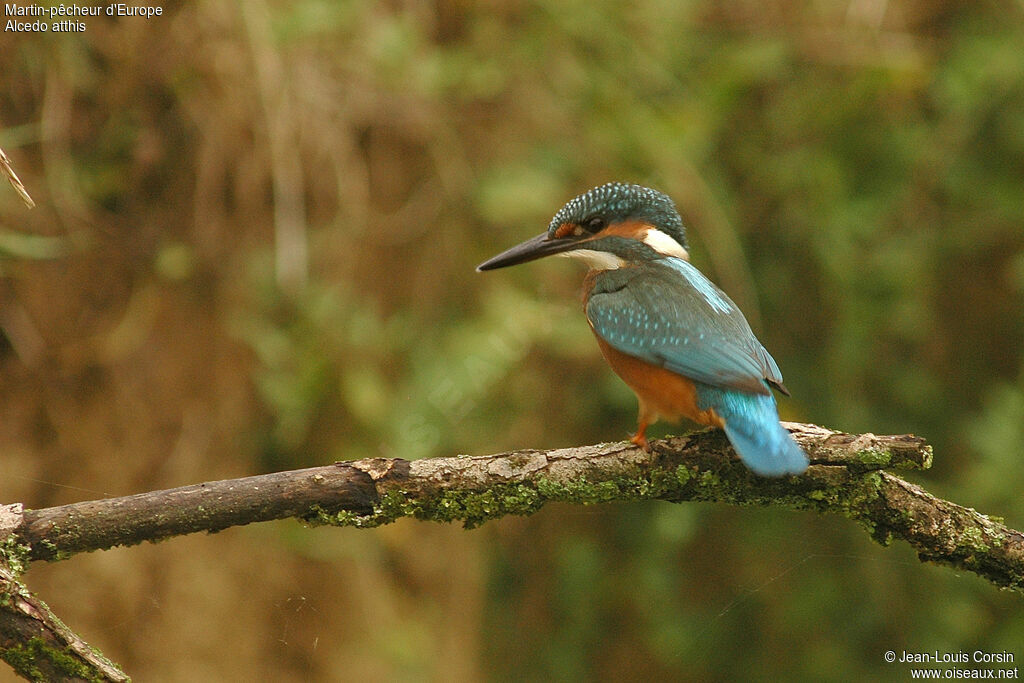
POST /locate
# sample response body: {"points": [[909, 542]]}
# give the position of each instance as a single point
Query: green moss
{"points": [[929, 458], [24, 659], [851, 499], [55, 554], [625, 489], [476, 507], [879, 457], [838, 492], [15, 555], [471, 507], [585, 492], [973, 539], [60, 663], [709, 479]]}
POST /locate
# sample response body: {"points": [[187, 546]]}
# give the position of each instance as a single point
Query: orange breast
{"points": [[661, 393]]}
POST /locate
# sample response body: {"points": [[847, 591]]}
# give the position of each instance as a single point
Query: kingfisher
{"points": [[674, 338]]}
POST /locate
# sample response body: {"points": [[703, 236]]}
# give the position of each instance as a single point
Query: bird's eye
{"points": [[594, 224]]}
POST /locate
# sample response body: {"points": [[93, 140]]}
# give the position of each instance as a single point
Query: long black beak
{"points": [[530, 250]]}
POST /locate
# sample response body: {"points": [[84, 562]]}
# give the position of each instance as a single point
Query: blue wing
{"points": [[668, 314]]}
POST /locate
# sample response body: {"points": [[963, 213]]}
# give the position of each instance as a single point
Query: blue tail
{"points": [[752, 425]]}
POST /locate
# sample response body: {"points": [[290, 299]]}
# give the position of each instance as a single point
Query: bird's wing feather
{"points": [[668, 314]]}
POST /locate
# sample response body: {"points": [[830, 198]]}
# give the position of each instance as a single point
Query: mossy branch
{"points": [[846, 476], [35, 643]]}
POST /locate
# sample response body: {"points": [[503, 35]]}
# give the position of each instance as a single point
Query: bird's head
{"points": [[607, 227]]}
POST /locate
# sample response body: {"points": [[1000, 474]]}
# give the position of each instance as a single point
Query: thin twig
{"points": [[12, 177]]}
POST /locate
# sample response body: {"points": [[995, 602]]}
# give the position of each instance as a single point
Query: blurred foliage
{"points": [[850, 173]]}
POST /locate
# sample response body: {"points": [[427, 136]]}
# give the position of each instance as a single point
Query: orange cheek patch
{"points": [[631, 229], [628, 229], [565, 230]]}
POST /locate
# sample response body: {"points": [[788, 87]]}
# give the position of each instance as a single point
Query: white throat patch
{"points": [[598, 260], [663, 243]]}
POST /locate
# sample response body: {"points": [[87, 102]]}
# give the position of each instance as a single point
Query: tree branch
{"points": [[33, 641], [845, 477]]}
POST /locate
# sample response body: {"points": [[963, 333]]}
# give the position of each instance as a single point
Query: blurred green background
{"points": [[254, 250]]}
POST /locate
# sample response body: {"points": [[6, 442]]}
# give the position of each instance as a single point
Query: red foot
{"points": [[640, 438]]}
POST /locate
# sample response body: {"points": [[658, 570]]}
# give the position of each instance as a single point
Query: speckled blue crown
{"points": [[617, 202]]}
